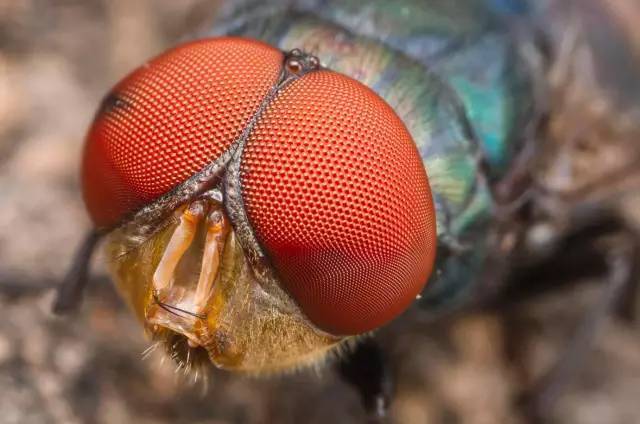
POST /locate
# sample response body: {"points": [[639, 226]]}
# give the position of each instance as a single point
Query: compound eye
{"points": [[338, 198], [170, 118]]}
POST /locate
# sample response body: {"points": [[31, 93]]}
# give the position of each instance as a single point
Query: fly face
{"points": [[265, 210], [194, 290]]}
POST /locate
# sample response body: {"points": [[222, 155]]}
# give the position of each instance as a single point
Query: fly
{"points": [[313, 118]]}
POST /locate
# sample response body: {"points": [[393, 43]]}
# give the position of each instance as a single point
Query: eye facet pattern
{"points": [[170, 118], [338, 197]]}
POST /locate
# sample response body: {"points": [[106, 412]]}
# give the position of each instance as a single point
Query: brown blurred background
{"points": [[57, 58]]}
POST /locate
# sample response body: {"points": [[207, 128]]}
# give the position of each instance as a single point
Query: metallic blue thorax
{"points": [[452, 71]]}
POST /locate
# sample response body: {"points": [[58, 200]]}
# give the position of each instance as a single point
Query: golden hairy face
{"points": [[243, 325], [261, 210]]}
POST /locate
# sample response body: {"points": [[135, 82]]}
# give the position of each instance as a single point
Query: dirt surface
{"points": [[57, 59]]}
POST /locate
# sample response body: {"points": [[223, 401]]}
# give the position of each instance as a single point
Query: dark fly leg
{"points": [[539, 400], [70, 291], [628, 305], [605, 247], [365, 368]]}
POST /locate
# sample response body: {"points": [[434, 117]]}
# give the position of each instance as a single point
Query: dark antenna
{"points": [[70, 291]]}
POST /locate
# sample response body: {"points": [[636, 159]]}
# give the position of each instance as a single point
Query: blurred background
{"points": [[57, 59]]}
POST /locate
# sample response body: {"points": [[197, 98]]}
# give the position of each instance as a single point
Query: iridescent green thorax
{"points": [[467, 44], [451, 71]]}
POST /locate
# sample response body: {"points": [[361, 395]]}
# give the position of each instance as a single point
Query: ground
{"points": [[57, 59]]}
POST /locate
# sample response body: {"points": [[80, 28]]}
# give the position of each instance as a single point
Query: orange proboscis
{"points": [[179, 243]]}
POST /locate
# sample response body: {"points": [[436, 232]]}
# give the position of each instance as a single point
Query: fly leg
{"points": [[540, 399], [606, 247], [365, 368], [628, 305]]}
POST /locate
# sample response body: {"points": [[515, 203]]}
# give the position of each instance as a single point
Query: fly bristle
{"points": [[148, 351], [193, 362]]}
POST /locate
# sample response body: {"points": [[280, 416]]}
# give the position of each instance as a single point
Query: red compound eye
{"points": [[170, 118], [338, 197], [333, 185]]}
